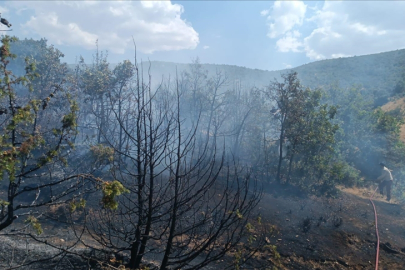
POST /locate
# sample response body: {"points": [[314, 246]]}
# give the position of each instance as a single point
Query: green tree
{"points": [[286, 97], [47, 61], [36, 132], [313, 146], [96, 83], [367, 134], [305, 126]]}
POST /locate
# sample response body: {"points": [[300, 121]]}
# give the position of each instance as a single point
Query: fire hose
{"points": [[376, 230]]}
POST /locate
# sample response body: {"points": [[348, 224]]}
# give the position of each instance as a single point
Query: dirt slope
{"points": [[339, 233], [310, 233], [396, 104]]}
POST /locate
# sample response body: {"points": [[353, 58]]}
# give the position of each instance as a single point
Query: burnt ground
{"points": [[307, 232], [334, 233]]}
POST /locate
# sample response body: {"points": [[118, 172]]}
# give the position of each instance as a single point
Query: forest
{"points": [[116, 166]]}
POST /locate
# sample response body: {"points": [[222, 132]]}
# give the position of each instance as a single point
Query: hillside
{"points": [[377, 73], [394, 105]]}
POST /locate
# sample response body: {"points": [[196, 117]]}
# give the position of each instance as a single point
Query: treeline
{"points": [[172, 172]]}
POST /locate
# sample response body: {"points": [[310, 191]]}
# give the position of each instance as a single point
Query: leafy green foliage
{"points": [[123, 72], [40, 63], [367, 135], [96, 79], [31, 135], [306, 128], [345, 174], [110, 191], [3, 203], [102, 153], [386, 122], [77, 205], [33, 221], [237, 259], [69, 119]]}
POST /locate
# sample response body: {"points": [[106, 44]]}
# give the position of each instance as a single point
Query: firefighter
{"points": [[385, 180]]}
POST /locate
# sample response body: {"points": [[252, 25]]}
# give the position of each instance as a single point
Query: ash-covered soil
{"points": [[308, 232], [334, 233]]}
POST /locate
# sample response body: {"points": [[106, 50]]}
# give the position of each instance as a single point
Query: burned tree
{"points": [[186, 204]]}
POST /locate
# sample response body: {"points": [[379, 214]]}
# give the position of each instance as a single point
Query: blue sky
{"points": [[269, 35]]}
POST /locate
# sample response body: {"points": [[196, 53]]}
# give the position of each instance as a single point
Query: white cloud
{"points": [[289, 42], [346, 28], [155, 26], [3, 10], [264, 12], [284, 16], [338, 28], [58, 33], [206, 47], [338, 55]]}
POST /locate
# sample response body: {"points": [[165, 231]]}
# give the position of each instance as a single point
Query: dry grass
{"points": [[365, 193], [393, 105]]}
